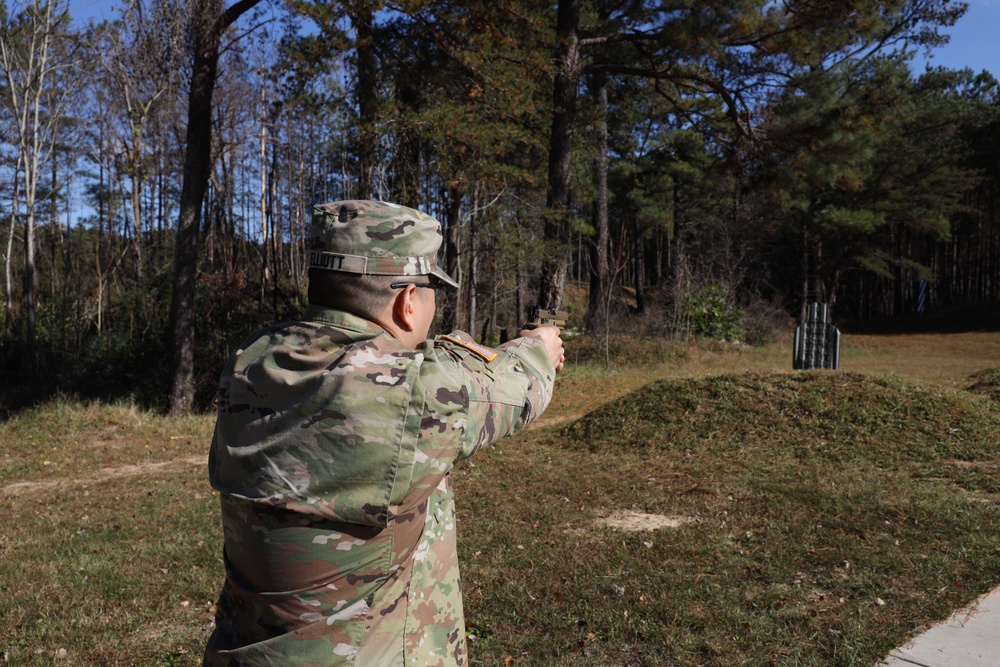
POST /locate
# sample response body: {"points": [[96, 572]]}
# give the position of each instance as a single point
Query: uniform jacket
{"points": [[332, 453]]}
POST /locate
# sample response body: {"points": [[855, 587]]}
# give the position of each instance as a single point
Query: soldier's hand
{"points": [[553, 343]]}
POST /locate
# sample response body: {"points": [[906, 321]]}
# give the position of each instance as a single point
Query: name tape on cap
{"points": [[333, 261]]}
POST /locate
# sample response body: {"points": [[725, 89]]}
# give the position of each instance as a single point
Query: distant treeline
{"points": [[680, 163]]}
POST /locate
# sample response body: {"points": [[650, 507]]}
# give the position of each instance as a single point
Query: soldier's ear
{"points": [[404, 309]]}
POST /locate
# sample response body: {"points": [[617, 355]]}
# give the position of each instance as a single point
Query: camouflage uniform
{"points": [[332, 453]]}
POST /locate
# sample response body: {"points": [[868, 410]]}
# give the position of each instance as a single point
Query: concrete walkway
{"points": [[970, 638]]}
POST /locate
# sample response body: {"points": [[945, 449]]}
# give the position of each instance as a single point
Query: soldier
{"points": [[333, 448]]}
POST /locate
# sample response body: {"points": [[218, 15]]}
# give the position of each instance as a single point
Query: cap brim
{"points": [[444, 277]]}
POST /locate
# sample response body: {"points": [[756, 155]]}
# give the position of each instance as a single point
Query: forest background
{"points": [[660, 168]]}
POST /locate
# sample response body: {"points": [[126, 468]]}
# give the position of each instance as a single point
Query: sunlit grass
{"points": [[829, 516], [110, 552], [111, 548]]}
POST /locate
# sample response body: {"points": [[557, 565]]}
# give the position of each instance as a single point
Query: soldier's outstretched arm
{"points": [[501, 389]]}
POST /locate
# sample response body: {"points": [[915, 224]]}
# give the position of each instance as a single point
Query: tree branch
{"points": [[233, 13]]}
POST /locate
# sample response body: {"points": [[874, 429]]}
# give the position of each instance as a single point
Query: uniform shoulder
{"points": [[461, 346]]}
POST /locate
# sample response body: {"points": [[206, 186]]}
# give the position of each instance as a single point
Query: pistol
{"points": [[545, 317]]}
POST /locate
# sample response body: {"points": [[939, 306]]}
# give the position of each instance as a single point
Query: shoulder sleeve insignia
{"points": [[480, 350]]}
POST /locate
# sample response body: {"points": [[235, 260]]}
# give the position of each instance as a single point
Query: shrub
{"points": [[710, 313]]}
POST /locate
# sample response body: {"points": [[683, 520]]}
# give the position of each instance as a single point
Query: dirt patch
{"points": [[554, 421], [101, 476], [639, 521]]}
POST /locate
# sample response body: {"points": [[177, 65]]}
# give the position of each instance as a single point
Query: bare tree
{"points": [[209, 19], [142, 59], [32, 55]]}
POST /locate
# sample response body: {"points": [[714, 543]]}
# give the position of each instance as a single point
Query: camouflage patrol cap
{"points": [[373, 237]]}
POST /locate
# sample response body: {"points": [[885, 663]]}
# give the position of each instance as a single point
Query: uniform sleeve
{"points": [[507, 387], [468, 396]]}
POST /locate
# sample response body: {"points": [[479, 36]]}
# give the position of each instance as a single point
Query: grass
{"points": [[830, 516], [111, 551], [826, 517]]}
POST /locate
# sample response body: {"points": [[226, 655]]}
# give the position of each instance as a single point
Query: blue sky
{"points": [[84, 10], [974, 41]]}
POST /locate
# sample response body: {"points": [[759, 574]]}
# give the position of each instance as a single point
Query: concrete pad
{"points": [[970, 638]]}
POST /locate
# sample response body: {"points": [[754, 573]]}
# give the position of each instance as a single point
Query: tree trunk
{"points": [[8, 269], [274, 249], [135, 199], [406, 150], [519, 310], [674, 239], [265, 275], [805, 273], [557, 201], [31, 362], [638, 260], [367, 92], [597, 309], [470, 280], [210, 22], [452, 256], [55, 230]]}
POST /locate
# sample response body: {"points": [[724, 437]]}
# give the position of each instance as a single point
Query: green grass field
{"points": [[818, 518]]}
